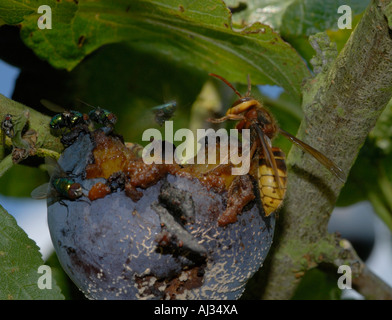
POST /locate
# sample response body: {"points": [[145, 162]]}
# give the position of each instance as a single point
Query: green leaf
{"points": [[317, 285], [371, 176], [196, 34], [306, 17], [388, 11], [130, 83], [19, 262], [303, 18], [11, 175], [295, 20], [370, 179], [363, 175], [381, 134], [293, 17], [269, 12], [35, 120], [13, 12], [11, 182]]}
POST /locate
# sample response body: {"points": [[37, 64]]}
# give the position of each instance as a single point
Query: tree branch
{"points": [[38, 141], [364, 280], [341, 105], [37, 121]]}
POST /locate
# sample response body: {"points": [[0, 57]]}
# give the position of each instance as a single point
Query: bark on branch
{"points": [[364, 280], [341, 105]]}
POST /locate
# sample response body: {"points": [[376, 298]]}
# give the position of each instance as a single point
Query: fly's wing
{"points": [[170, 107], [329, 164], [85, 103], [53, 167], [52, 106], [40, 192]]}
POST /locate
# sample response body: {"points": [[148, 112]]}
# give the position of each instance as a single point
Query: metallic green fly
{"points": [[65, 119], [63, 185], [164, 112]]}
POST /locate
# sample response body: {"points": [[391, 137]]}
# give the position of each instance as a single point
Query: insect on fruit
{"points": [[100, 116], [269, 161], [62, 184], [103, 117], [66, 119], [67, 188]]}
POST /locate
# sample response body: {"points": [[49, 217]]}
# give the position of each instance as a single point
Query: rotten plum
{"points": [[166, 244]]}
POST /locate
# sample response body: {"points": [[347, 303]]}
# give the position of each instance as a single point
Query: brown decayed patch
{"points": [[174, 287], [240, 194], [111, 156], [98, 190]]}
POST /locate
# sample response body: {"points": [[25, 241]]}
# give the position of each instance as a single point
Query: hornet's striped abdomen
{"points": [[270, 194]]}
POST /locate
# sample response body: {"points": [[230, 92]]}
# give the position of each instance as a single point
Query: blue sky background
{"points": [[8, 75], [31, 214]]}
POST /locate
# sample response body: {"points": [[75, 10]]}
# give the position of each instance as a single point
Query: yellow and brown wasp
{"points": [[271, 172]]}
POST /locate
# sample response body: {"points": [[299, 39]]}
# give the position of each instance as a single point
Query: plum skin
{"points": [[117, 248]]}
